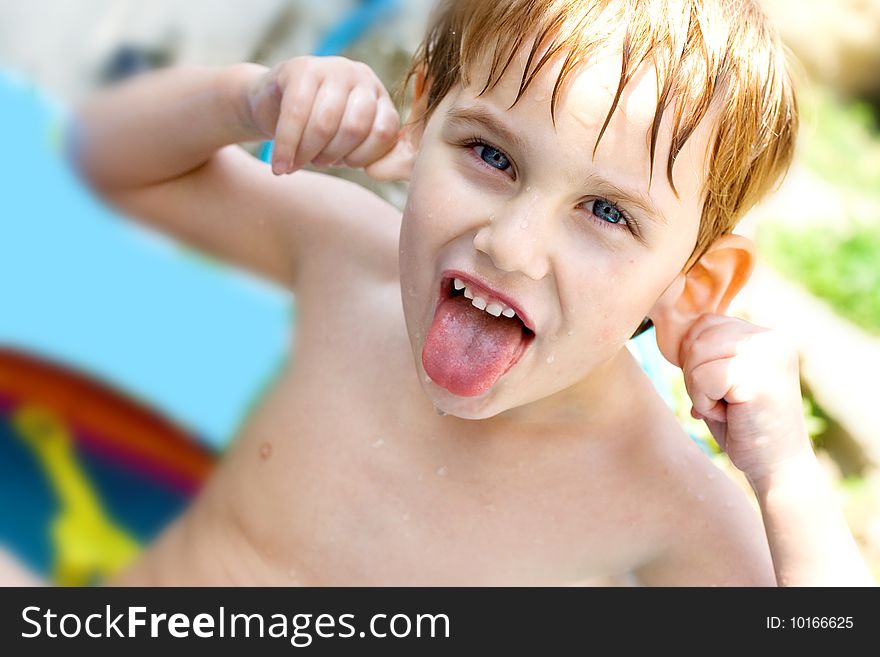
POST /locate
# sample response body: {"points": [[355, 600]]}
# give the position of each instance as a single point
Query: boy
{"points": [[461, 408]]}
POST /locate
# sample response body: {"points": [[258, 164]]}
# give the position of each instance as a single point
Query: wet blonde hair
{"points": [[708, 54]]}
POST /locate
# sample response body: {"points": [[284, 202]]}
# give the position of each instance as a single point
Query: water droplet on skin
{"points": [[378, 443], [491, 218], [551, 359], [442, 471], [570, 333], [554, 338], [266, 451]]}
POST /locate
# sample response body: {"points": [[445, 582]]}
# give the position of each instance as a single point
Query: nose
{"points": [[515, 243]]}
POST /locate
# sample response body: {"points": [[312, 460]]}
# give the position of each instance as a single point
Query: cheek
{"points": [[426, 226], [429, 198], [418, 220], [610, 320], [613, 302], [440, 209]]}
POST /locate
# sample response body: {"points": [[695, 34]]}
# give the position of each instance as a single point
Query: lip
{"points": [[474, 281]]}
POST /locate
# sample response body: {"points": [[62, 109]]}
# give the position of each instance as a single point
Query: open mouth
{"points": [[476, 337], [485, 301]]}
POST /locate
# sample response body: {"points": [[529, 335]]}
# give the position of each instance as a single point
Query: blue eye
{"points": [[494, 158], [608, 212]]}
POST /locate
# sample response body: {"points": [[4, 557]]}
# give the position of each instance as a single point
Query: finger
{"points": [[702, 323], [383, 136], [708, 384], [715, 342], [718, 413], [716, 426], [323, 124], [354, 129], [296, 107]]}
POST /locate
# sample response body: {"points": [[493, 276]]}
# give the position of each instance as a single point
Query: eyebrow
{"points": [[482, 117]]}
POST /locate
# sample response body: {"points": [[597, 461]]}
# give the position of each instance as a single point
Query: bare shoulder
{"points": [[351, 228], [713, 536]]}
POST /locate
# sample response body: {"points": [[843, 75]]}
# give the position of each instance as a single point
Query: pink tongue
{"points": [[467, 350]]}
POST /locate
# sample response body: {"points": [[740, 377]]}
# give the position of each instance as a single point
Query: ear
{"points": [[398, 163], [708, 287]]}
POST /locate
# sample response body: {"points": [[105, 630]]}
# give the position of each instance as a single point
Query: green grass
{"points": [[835, 251], [841, 142], [842, 267]]}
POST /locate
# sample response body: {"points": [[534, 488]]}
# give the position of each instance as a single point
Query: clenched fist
{"points": [[323, 111], [744, 382]]}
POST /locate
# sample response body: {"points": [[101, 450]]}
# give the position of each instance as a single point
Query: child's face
{"points": [[526, 217]]}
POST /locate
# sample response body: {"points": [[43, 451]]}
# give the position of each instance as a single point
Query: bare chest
{"points": [[348, 469]]}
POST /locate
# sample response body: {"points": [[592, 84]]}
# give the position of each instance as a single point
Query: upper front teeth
{"points": [[494, 308]]}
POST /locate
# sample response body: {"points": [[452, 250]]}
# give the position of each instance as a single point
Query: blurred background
{"points": [[128, 362]]}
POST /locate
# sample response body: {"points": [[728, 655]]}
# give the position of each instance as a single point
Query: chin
{"points": [[483, 407]]}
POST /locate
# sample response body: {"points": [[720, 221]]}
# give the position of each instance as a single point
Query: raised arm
{"points": [[744, 382], [808, 535], [160, 148]]}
